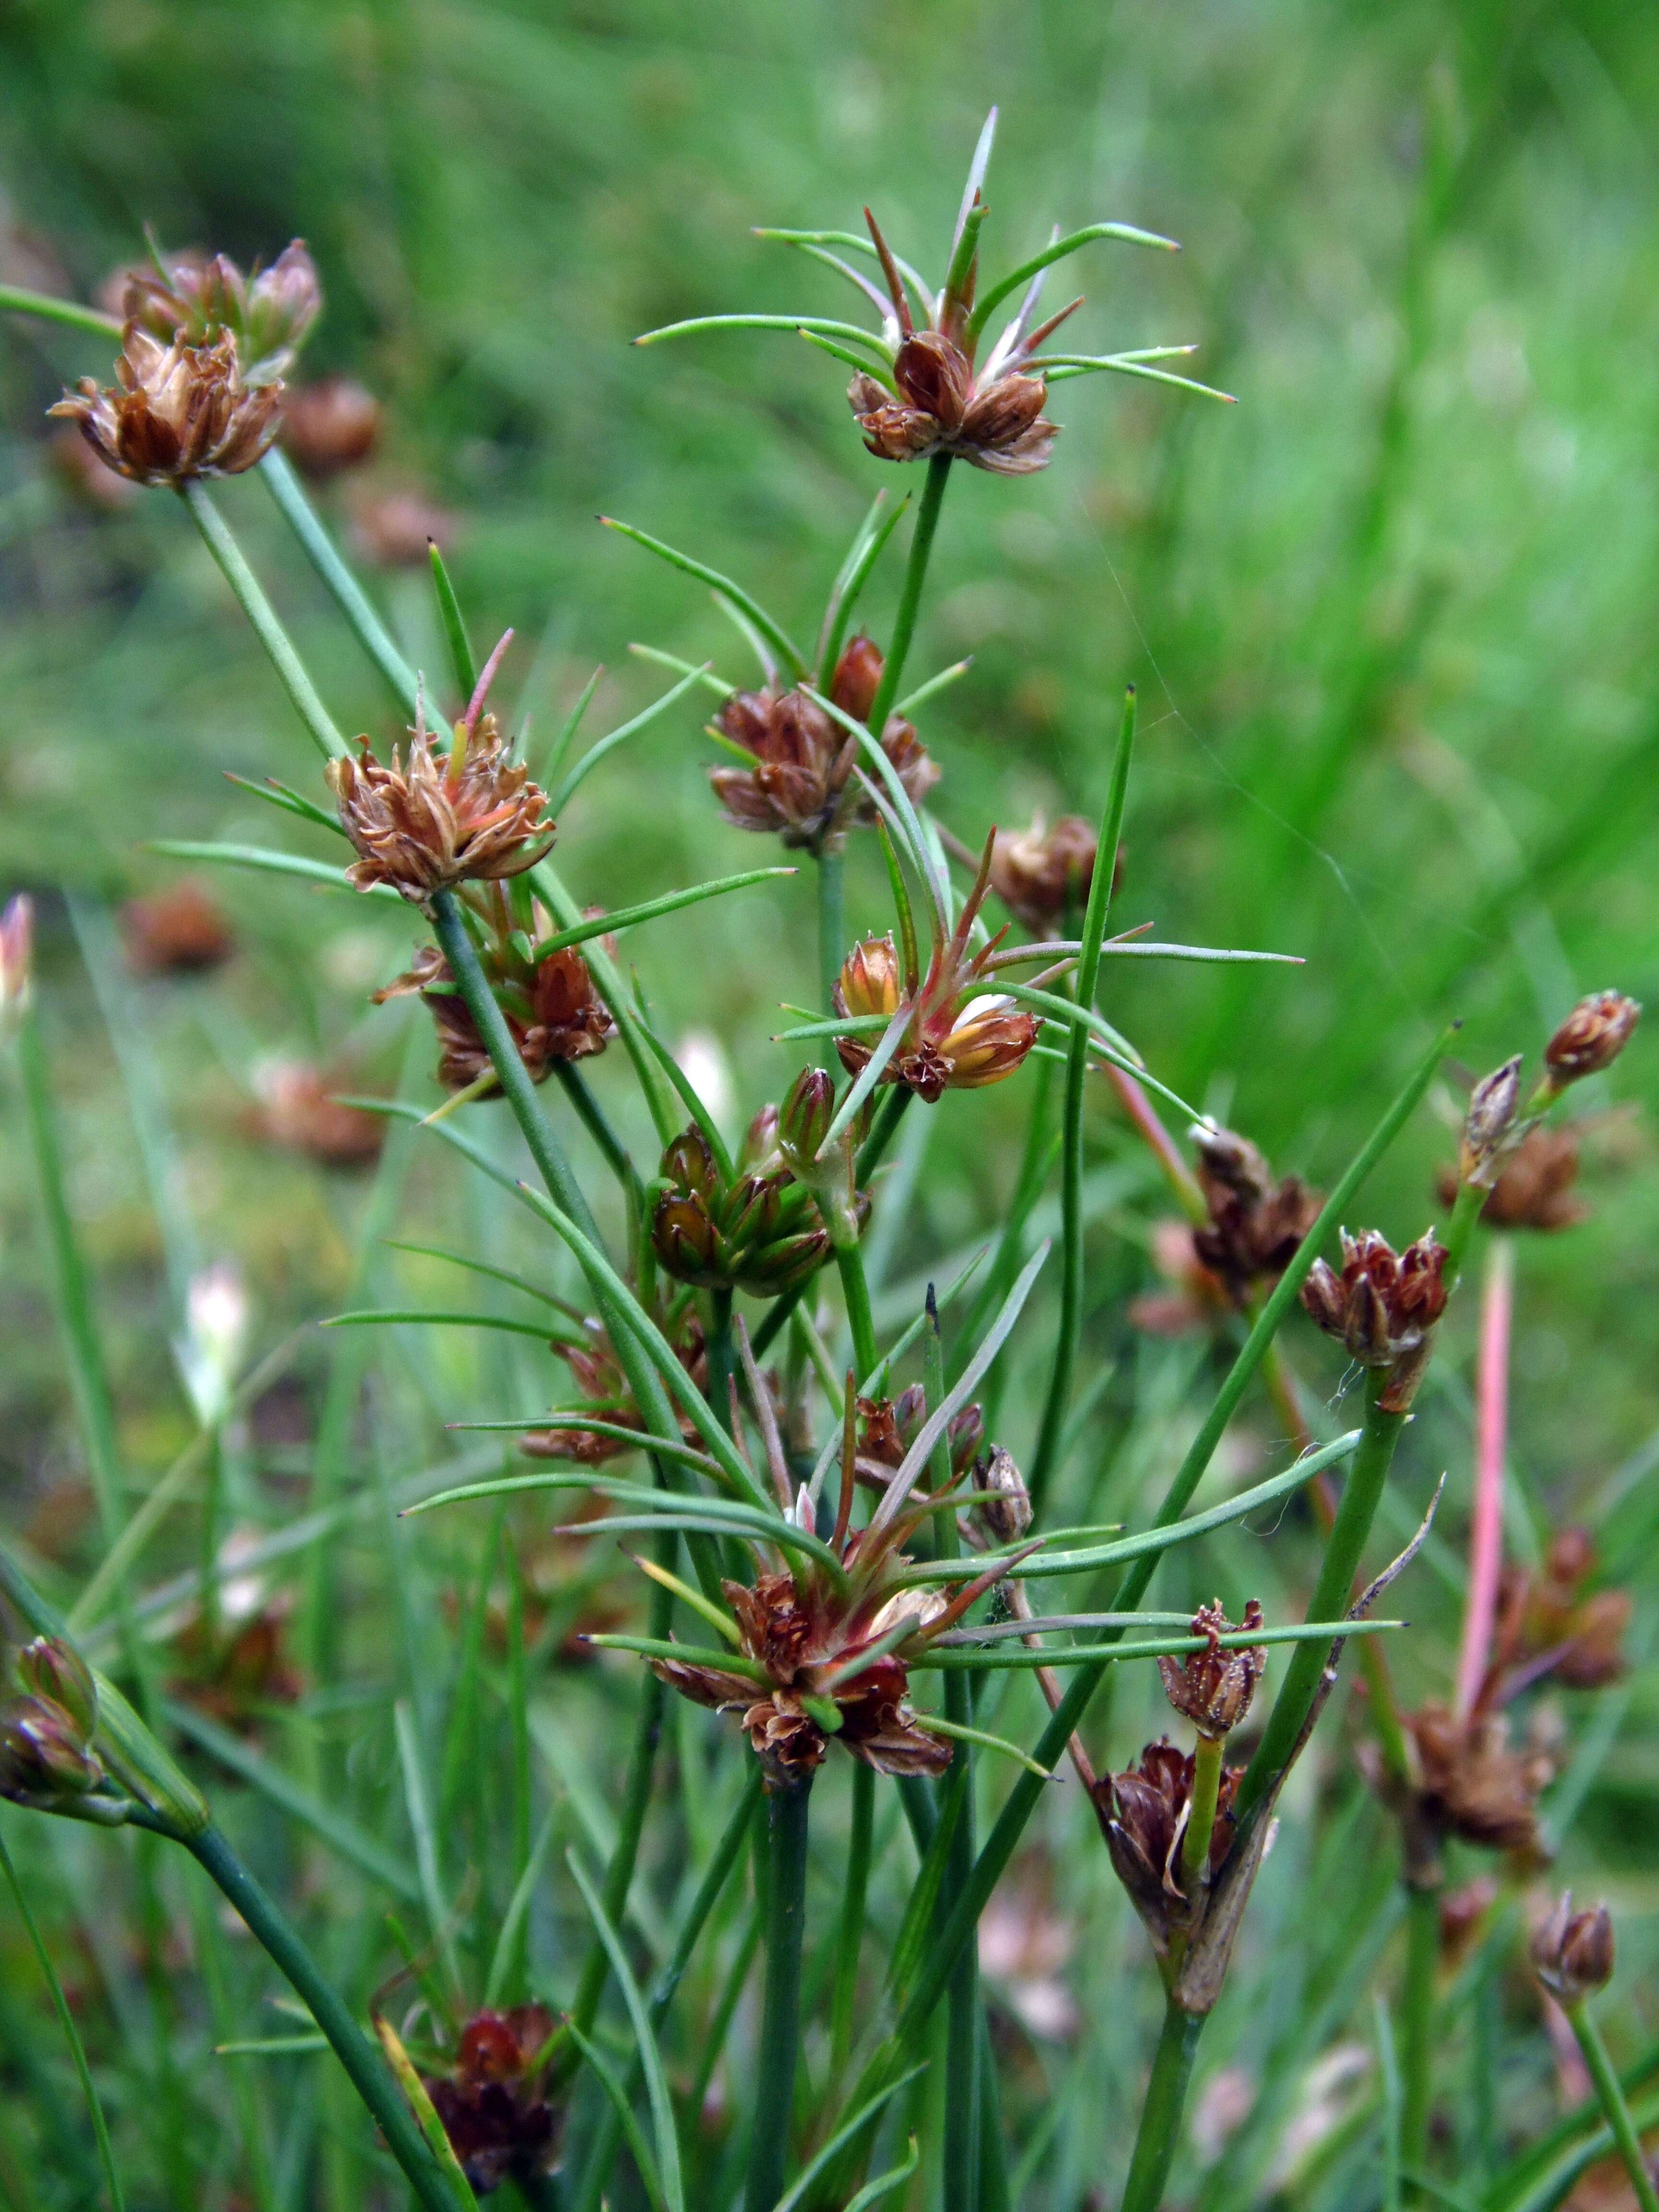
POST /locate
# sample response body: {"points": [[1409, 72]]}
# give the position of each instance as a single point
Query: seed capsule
{"points": [[1572, 1952]]}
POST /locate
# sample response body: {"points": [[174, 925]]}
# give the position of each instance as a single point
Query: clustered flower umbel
{"points": [[551, 1008], [433, 820], [1145, 1810], [498, 2120], [1255, 1224], [802, 759], [1382, 1307], [198, 389], [47, 1757], [959, 1036], [939, 401], [750, 1227], [1042, 875]]}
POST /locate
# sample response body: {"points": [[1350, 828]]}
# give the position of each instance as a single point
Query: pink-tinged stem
{"points": [[1142, 1112], [1491, 1429]]}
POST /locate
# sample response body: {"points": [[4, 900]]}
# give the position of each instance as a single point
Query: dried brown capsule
{"points": [[1572, 1952], [492, 2102], [1534, 1188], [1144, 1811], [551, 1008], [1042, 875], [1255, 1224], [237, 1672], [1382, 1306], [1473, 1785], [196, 300], [330, 426], [1007, 1515], [1489, 1124], [1213, 1688], [180, 931], [175, 412], [436, 820], [803, 757], [1591, 1038], [760, 1232]]}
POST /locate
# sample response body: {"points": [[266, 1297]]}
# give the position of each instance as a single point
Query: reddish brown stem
{"points": [[1491, 1429]]}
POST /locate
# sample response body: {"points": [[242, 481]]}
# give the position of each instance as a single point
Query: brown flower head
{"points": [[175, 412], [396, 527], [196, 300], [492, 2103], [1145, 1813], [748, 1225], [1591, 1038], [180, 931], [1572, 1952], [959, 1035], [1533, 1187], [552, 1009], [1489, 1125], [437, 820], [1042, 875], [592, 1360], [803, 758], [1382, 1306], [330, 426], [1255, 1224], [1552, 1624], [1473, 1785], [1213, 1688], [237, 1671], [299, 1111]]}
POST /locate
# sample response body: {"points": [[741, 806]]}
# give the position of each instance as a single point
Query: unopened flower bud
{"points": [[1488, 1125], [52, 1669], [1572, 1952], [857, 676], [16, 947], [805, 1117], [1213, 1688], [1007, 1515], [1591, 1038]]}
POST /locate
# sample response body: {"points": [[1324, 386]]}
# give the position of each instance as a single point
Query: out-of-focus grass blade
{"points": [[398, 1316], [656, 2085], [1057, 250], [71, 2033], [866, 550], [629, 917], [337, 1830], [500, 1964], [709, 677], [426, 1840], [610, 2082], [923, 692], [484, 1268], [565, 734], [733, 594], [885, 2183], [260, 856], [802, 2186]]}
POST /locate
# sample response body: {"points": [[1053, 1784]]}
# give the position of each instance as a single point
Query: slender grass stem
{"points": [[844, 1992], [71, 2033], [832, 916], [1465, 1212], [290, 670], [1490, 1424], [856, 1290], [1053, 1429], [1160, 2115], [1417, 2028], [1613, 2104], [1368, 1472], [349, 595], [886, 1127], [368, 2072], [785, 1913], [1200, 1820], [915, 575], [721, 1366]]}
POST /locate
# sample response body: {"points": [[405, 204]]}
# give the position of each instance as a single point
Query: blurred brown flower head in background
{"points": [[433, 820], [330, 426], [298, 1111], [175, 412], [179, 931], [1549, 1623], [1533, 1187], [1590, 1039], [1473, 1785], [1255, 1223], [1042, 875], [803, 758]]}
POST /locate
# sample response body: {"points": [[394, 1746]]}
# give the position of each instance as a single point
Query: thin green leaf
{"points": [[629, 917], [961, 1733], [566, 736], [867, 548], [1058, 366], [610, 2082], [841, 1025], [71, 312], [539, 1329], [291, 802], [461, 661], [687, 1655], [687, 1092], [272, 2046], [1157, 1647], [591, 759], [709, 677], [923, 692], [656, 2085], [907, 920], [439, 1920], [484, 1268], [500, 1963], [802, 2186], [876, 370], [1057, 250], [826, 326], [259, 856], [868, 1076], [734, 594], [884, 2184], [561, 1417]]}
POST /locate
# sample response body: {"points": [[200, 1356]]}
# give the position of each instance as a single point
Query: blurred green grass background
{"points": [[1391, 617]]}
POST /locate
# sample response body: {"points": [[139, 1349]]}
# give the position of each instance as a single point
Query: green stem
{"points": [[596, 1122], [369, 2074], [1160, 2115], [1362, 1492], [257, 607], [71, 2033], [832, 916], [1417, 2040], [1200, 1820], [720, 1368], [884, 1128], [349, 595], [860, 1319], [915, 575], [1612, 2102], [786, 1912], [1052, 1432], [1465, 1212], [71, 312], [844, 1994]]}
